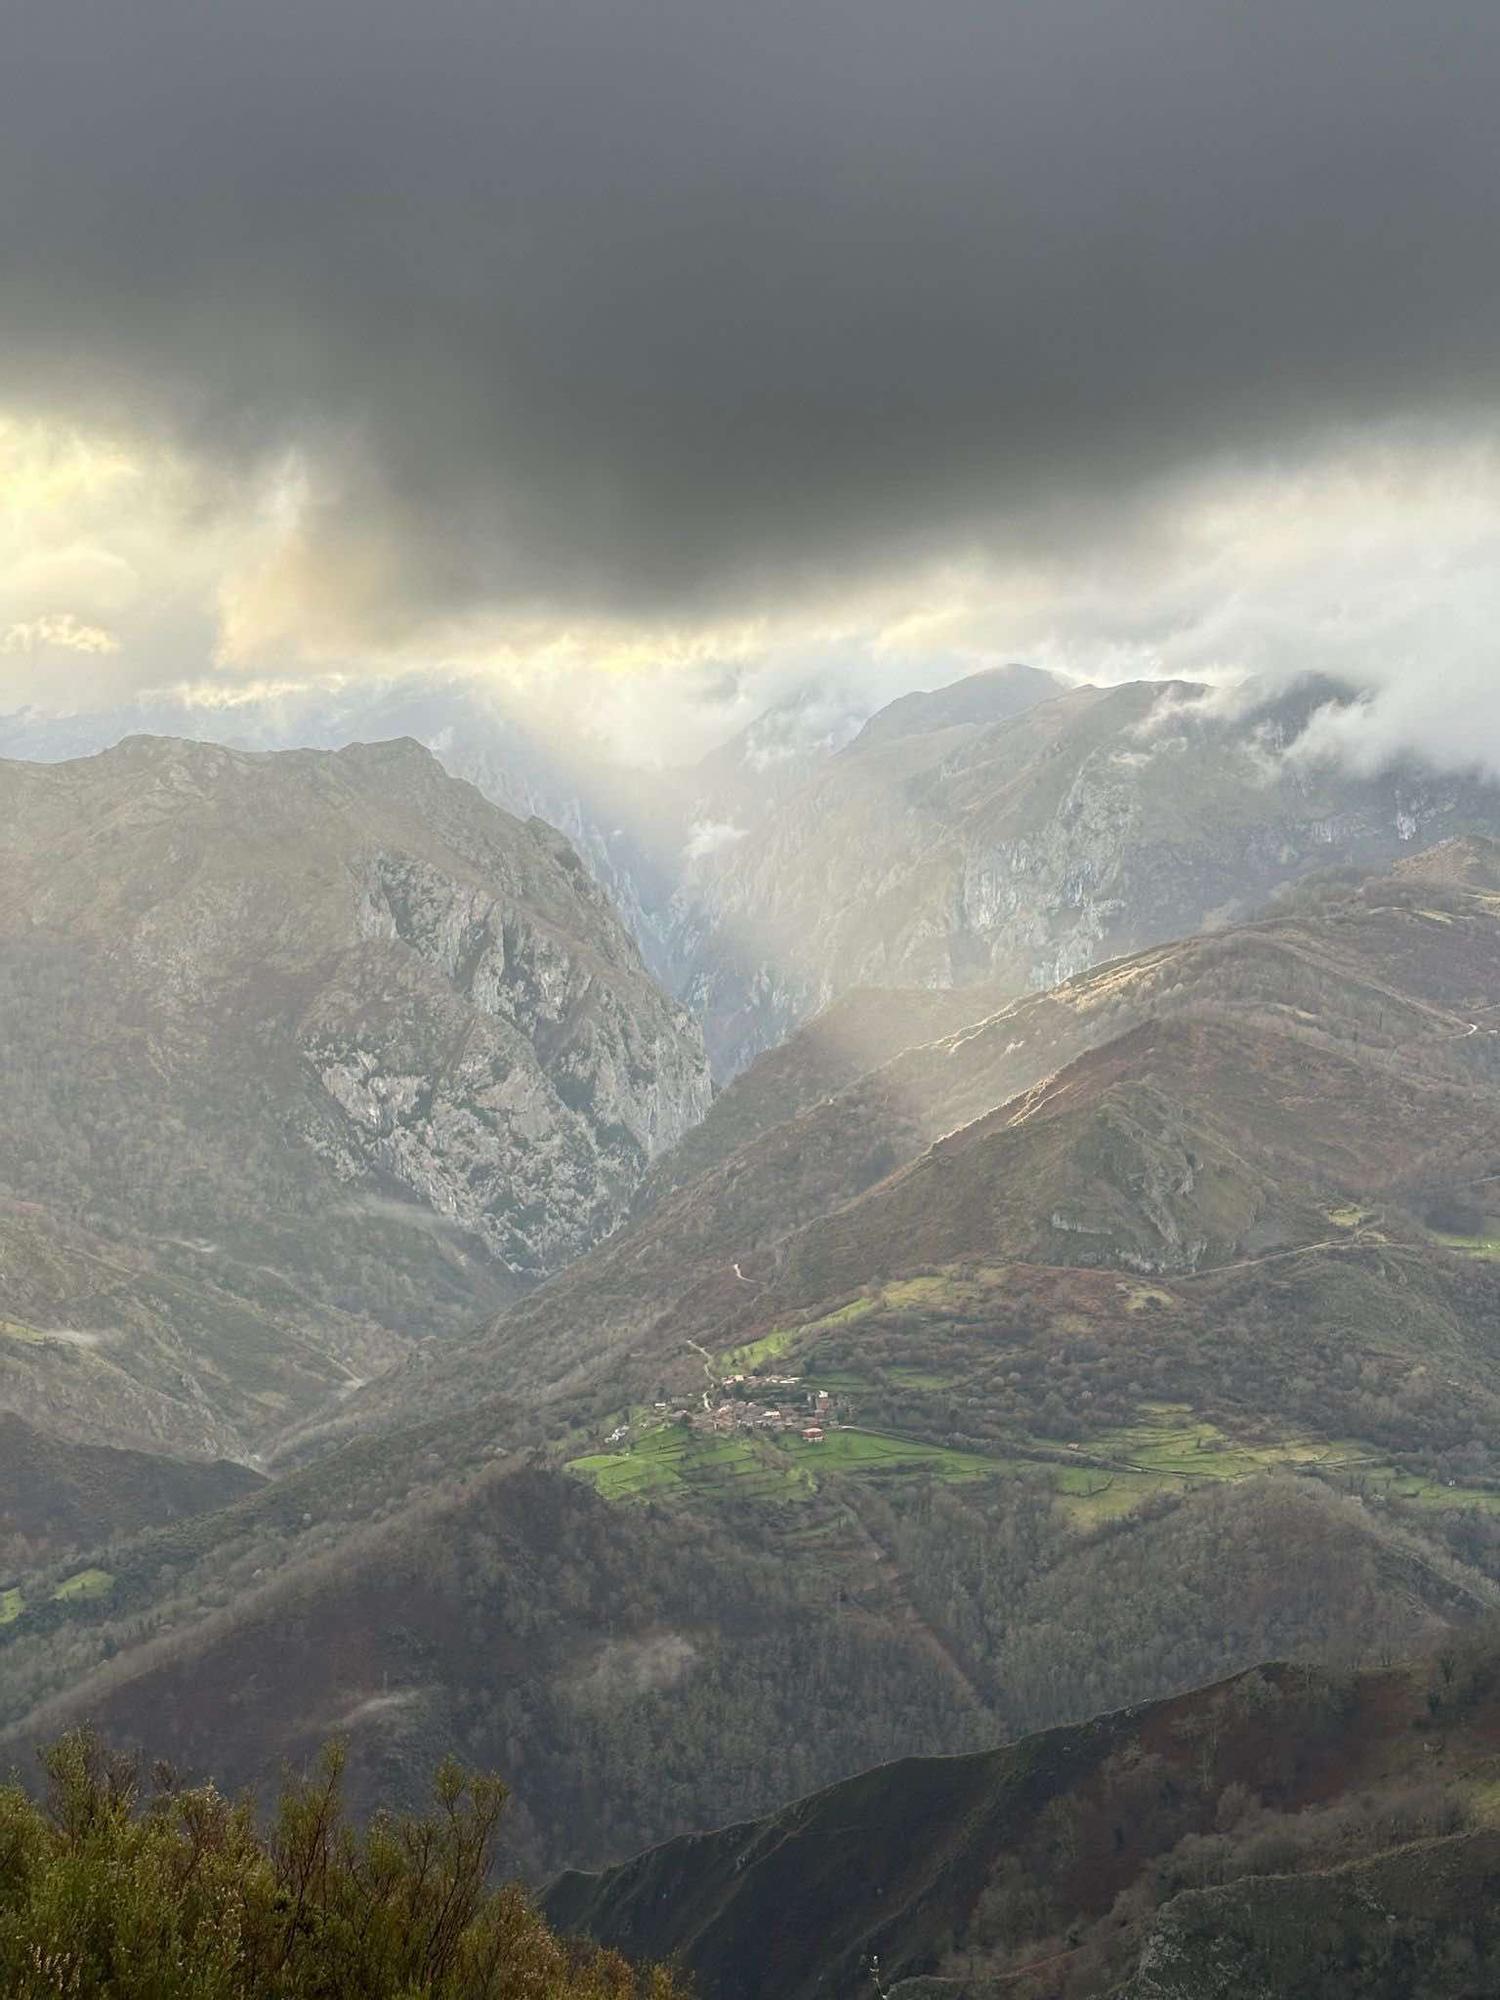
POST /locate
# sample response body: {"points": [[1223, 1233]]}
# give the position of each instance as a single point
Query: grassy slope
{"points": [[1368, 998], [861, 1031]]}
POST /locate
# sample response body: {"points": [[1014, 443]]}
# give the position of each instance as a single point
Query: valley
{"points": [[977, 1361], [749, 1001], [1112, 1340]]}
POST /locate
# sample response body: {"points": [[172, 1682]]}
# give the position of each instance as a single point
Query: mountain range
{"points": [[1095, 1298], [1011, 829], [1008, 827], [952, 1379]]}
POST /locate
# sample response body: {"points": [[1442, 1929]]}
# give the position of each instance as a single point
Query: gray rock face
{"points": [[563, 1091], [336, 1045], [629, 827], [1002, 828], [1095, 823]]}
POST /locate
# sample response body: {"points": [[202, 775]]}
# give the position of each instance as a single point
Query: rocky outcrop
{"points": [[1003, 828], [1093, 823], [561, 1088], [346, 1054]]}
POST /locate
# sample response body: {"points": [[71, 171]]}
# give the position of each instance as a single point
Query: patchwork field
{"points": [[87, 1585], [1110, 1474], [1485, 1247], [744, 1360], [944, 1375], [1392, 1482], [859, 1451], [786, 1467], [1169, 1439], [946, 1291], [673, 1460]]}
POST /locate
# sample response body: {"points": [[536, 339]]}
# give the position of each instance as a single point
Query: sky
{"points": [[653, 357]]}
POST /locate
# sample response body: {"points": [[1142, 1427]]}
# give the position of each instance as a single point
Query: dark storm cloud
{"points": [[643, 304]]}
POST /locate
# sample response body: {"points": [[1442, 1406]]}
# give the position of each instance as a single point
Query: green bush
{"points": [[175, 1895]]}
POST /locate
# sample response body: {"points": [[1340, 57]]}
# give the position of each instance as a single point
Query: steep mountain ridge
{"points": [[1092, 823], [321, 1052], [646, 835], [993, 695], [1283, 1832], [1175, 1146], [1361, 1016], [1005, 827], [608, 813], [858, 1033]]}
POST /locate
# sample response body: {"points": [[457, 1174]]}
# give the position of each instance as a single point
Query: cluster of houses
{"points": [[810, 1412], [765, 1403]]}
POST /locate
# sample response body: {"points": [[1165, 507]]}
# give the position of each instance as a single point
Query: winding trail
{"points": [[708, 1370], [1277, 1256]]}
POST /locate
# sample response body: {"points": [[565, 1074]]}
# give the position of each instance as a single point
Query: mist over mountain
{"points": [[643, 831], [1013, 831], [1006, 827]]}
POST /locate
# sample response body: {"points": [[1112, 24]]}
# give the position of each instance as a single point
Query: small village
{"points": [[768, 1404], [747, 1405]]}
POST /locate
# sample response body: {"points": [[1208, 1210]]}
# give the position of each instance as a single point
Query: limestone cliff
{"points": [[1095, 822], [308, 1054]]}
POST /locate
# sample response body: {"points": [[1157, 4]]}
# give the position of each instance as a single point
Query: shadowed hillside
{"points": [[1282, 1833], [56, 1496]]}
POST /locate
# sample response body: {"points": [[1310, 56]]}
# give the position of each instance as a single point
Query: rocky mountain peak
{"points": [[349, 1054]]}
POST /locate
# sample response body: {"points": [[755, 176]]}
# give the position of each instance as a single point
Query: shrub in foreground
{"points": [[108, 1889]]}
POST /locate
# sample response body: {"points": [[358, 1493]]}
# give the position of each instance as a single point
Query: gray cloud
{"points": [[665, 305]]}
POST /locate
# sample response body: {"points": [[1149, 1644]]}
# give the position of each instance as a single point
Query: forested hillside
{"points": [[1119, 1339], [56, 1496], [1285, 1832]]}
